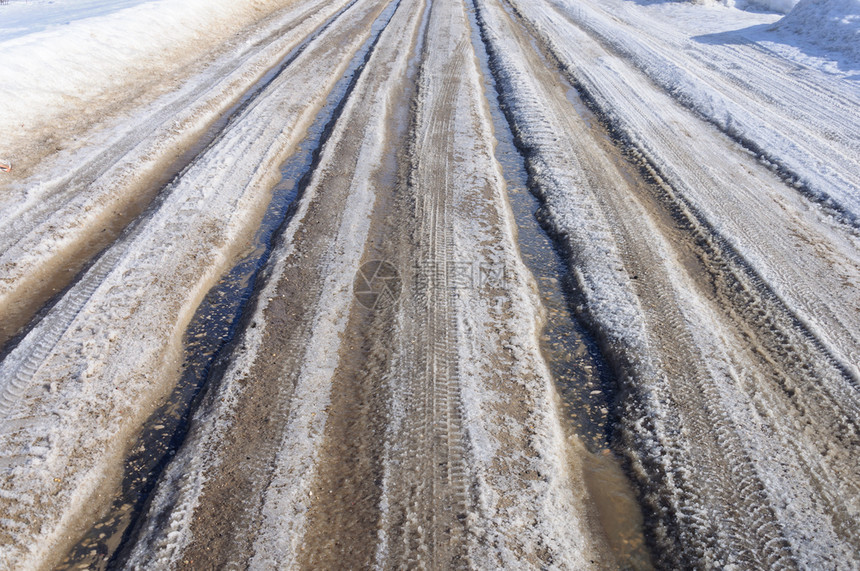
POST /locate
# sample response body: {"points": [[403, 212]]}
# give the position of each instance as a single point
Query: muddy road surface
{"points": [[440, 284]]}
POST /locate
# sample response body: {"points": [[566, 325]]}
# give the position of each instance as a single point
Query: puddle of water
{"points": [[617, 509], [581, 376], [209, 336]]}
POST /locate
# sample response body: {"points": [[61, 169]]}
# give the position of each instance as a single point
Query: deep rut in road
{"points": [[692, 376], [82, 485], [209, 335], [389, 454], [140, 197], [584, 382]]}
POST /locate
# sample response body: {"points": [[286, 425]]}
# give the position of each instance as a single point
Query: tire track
{"points": [[347, 514], [788, 109], [285, 383], [431, 497], [56, 228], [778, 332], [299, 463], [21, 365], [728, 510], [96, 383], [472, 472]]}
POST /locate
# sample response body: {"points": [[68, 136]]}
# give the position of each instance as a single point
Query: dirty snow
{"points": [[63, 56], [80, 382], [786, 89]]}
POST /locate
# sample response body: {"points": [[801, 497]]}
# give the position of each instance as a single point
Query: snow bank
{"points": [[89, 54], [831, 25], [22, 17]]}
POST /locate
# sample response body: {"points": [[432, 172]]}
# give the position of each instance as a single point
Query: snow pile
{"points": [[831, 25], [86, 55]]}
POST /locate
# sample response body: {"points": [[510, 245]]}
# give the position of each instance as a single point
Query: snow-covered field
{"points": [[697, 168]]}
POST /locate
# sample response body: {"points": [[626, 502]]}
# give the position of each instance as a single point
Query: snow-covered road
{"points": [[697, 172], [713, 210]]}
